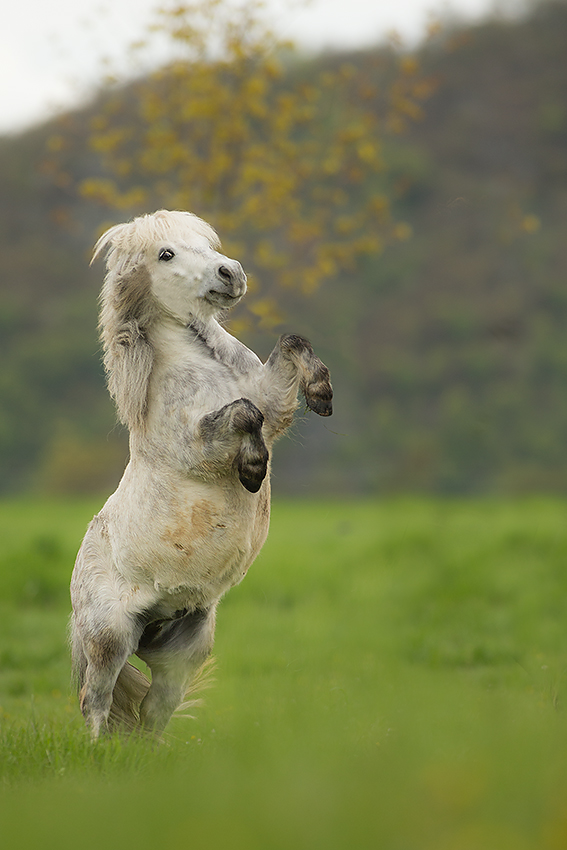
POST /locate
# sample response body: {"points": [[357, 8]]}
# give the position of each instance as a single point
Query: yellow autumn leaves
{"points": [[286, 162]]}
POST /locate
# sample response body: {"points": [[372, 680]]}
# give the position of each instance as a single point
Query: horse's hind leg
{"points": [[106, 652], [100, 645], [102, 635], [174, 650]]}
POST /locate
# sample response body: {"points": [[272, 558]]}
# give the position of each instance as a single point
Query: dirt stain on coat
{"points": [[202, 516], [197, 522]]}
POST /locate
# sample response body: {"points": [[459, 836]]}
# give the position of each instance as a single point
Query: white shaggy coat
{"points": [[192, 509]]}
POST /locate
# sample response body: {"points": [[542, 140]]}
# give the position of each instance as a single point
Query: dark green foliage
{"points": [[449, 351]]}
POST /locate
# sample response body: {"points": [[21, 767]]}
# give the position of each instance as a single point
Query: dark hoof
{"points": [[320, 406], [252, 485], [319, 392], [252, 468], [252, 458]]}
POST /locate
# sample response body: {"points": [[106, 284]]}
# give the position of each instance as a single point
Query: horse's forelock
{"points": [[166, 224], [124, 242]]}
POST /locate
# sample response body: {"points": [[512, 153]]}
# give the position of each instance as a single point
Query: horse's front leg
{"points": [[293, 366], [232, 437]]}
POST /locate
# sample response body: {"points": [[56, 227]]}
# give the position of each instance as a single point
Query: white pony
{"points": [[192, 509]]}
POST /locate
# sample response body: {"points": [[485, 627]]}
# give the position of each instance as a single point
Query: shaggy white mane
{"points": [[128, 308]]}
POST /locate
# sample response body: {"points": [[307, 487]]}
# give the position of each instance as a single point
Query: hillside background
{"points": [[447, 351]]}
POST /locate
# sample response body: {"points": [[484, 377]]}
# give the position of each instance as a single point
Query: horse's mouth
{"points": [[222, 299]]}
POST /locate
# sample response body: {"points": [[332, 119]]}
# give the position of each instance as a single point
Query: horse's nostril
{"points": [[226, 274]]}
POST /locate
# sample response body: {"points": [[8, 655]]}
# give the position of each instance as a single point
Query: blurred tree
{"points": [[447, 351], [234, 130]]}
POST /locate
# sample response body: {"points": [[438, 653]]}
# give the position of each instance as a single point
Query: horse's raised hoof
{"points": [[319, 392], [253, 456], [253, 465], [322, 407], [315, 378]]}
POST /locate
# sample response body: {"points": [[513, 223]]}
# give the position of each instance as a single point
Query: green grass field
{"points": [[389, 675]]}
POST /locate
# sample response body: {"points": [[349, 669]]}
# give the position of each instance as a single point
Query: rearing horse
{"points": [[192, 509]]}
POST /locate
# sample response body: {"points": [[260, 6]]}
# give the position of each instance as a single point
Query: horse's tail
{"points": [[202, 679], [130, 689]]}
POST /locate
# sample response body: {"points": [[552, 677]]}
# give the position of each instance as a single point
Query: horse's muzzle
{"points": [[230, 284]]}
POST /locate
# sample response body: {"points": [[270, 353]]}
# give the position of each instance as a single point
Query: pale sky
{"points": [[51, 50]]}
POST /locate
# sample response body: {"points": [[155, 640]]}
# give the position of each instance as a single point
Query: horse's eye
{"points": [[166, 254]]}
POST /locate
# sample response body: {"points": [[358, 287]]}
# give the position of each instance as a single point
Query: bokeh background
{"points": [[444, 331], [392, 673]]}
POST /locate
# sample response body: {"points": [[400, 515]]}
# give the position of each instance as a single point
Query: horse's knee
{"points": [[95, 704], [163, 698], [95, 700], [239, 416], [294, 344]]}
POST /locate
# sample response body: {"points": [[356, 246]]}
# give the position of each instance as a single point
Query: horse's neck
{"points": [[170, 341], [175, 343]]}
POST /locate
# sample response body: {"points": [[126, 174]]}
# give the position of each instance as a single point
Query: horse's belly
{"points": [[214, 558], [196, 549]]}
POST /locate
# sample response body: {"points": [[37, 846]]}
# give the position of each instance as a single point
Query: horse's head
{"points": [[168, 263], [189, 277], [161, 265]]}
